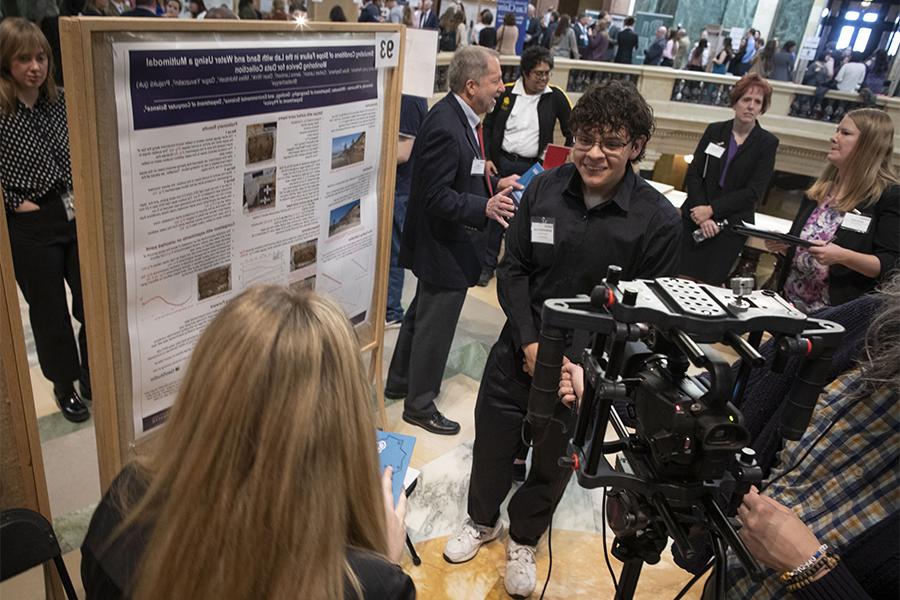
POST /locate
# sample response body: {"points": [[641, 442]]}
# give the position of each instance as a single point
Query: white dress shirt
{"points": [[522, 134]]}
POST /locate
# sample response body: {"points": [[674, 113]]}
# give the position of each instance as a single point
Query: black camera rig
{"points": [[687, 464]]}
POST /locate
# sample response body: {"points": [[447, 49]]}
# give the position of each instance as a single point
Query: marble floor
{"points": [[435, 509]]}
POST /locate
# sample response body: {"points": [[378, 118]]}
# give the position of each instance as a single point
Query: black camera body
{"points": [[682, 451], [687, 439]]}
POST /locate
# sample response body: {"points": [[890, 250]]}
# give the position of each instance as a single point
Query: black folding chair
{"points": [[26, 541], [409, 545]]}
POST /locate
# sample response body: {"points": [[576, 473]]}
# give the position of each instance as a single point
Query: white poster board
{"points": [[242, 163], [420, 62]]}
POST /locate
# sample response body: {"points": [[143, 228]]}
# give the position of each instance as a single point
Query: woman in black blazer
{"points": [[852, 216], [729, 174]]}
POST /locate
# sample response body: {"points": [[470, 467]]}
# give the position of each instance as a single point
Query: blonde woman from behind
{"points": [[264, 482]]}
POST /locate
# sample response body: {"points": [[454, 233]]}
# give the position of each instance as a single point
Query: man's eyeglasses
{"points": [[539, 74], [607, 145]]}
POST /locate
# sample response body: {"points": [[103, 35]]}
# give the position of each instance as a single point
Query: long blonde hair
{"points": [[868, 170], [18, 35], [267, 468]]}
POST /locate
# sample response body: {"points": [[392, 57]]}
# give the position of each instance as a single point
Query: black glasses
{"points": [[607, 145]]}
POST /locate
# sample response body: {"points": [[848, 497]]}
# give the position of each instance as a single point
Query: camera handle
{"points": [[817, 348]]}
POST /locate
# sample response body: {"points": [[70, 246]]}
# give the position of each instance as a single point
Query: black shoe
{"points": [[485, 278], [70, 404], [394, 394], [436, 423], [519, 472]]}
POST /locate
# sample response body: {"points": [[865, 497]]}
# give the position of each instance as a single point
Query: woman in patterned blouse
{"points": [[851, 215], [36, 179]]}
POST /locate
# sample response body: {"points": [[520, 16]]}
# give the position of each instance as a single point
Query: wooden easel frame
{"points": [[24, 484], [93, 136]]}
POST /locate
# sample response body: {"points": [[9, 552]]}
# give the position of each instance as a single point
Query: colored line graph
{"points": [[165, 301]]}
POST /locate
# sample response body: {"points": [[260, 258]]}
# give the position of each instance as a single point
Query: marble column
{"points": [[791, 19], [648, 6], [695, 15], [739, 13]]}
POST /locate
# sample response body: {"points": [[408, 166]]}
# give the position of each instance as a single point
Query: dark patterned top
{"points": [[807, 283], [34, 151]]}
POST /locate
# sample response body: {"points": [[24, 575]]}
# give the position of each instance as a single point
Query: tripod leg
{"points": [[412, 551], [720, 569], [628, 579]]}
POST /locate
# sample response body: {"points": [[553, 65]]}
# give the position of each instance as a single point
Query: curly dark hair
{"points": [[532, 56], [611, 105]]}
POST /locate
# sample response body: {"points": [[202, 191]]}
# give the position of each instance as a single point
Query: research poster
{"points": [[242, 163]]}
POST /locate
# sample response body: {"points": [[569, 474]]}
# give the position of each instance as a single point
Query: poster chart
{"points": [[242, 163]]}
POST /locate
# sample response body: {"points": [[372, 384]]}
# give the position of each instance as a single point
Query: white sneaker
{"points": [[520, 570], [465, 544]]}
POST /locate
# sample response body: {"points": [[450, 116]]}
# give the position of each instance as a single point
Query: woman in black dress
{"points": [[728, 176]]}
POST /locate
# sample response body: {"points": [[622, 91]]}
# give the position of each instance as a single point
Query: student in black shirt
{"points": [[573, 222]]}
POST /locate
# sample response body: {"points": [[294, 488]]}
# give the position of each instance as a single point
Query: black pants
{"points": [[506, 165], [499, 413], [45, 255], [423, 345]]}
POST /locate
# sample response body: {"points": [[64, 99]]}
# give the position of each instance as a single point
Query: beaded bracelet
{"points": [[827, 563], [788, 575]]}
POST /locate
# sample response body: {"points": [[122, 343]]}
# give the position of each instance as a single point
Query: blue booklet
{"points": [[525, 179], [395, 450]]}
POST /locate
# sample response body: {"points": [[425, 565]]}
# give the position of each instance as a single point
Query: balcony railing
{"points": [[684, 102]]}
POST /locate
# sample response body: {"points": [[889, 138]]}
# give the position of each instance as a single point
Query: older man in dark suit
{"points": [[427, 17], [143, 8], [653, 54], [452, 197]]}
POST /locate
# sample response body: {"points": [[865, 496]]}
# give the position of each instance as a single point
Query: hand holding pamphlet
{"points": [[395, 450]]}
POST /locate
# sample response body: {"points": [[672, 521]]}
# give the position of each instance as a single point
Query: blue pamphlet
{"points": [[395, 450], [525, 179]]}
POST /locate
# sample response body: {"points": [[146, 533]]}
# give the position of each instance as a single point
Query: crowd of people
{"points": [[598, 200], [209, 520]]}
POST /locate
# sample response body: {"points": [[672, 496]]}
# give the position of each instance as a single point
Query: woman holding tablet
{"points": [[264, 481], [852, 216]]}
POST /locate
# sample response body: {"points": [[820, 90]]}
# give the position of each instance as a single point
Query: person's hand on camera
{"points": [[490, 168], [27, 206], [772, 532], [776, 247], [511, 181], [395, 517], [827, 254], [500, 207], [571, 383], [530, 352], [709, 228], [701, 213]]}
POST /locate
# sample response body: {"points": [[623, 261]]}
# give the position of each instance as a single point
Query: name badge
{"points": [[715, 150], [855, 222], [477, 167], [68, 200], [542, 230]]}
